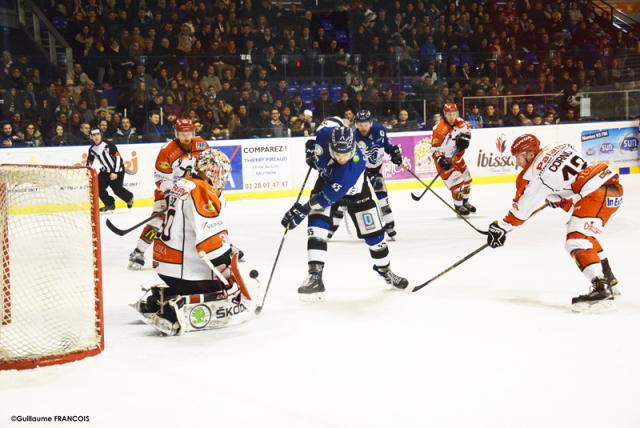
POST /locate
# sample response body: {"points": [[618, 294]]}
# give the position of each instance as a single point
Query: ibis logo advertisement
{"points": [[200, 316], [615, 145], [498, 161]]}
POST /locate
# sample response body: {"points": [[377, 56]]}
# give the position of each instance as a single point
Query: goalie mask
{"points": [[215, 166]]}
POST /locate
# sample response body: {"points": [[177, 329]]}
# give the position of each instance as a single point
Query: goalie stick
{"points": [[122, 232], [465, 258]]}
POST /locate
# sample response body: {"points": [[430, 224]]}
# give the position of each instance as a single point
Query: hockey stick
{"points": [[446, 203], [123, 232], [417, 198], [465, 258], [284, 235]]}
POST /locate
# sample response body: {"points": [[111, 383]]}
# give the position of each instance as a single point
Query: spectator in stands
{"points": [[323, 107], [474, 118], [529, 113], [153, 130], [261, 126], [278, 128], [125, 133], [8, 138], [403, 123], [570, 116], [31, 135], [491, 119], [61, 138], [343, 104], [83, 136], [515, 116]]}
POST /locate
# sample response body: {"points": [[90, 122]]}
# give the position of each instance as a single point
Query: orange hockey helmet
{"points": [[525, 143]]}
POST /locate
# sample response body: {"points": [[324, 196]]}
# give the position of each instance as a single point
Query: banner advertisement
{"points": [[266, 165], [618, 146]]}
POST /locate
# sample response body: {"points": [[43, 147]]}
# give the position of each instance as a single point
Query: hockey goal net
{"points": [[50, 276]]}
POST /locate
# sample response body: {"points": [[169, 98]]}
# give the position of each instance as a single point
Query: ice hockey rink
{"points": [[491, 344]]}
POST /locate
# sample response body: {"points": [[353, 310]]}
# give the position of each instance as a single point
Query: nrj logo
{"points": [[130, 165]]}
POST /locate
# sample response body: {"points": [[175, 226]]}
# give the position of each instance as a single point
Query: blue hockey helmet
{"points": [[363, 116], [342, 143]]}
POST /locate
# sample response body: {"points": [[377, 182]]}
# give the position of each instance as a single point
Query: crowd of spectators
{"points": [[257, 69]]}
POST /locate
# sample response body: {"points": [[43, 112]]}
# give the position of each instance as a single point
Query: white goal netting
{"points": [[50, 279]]}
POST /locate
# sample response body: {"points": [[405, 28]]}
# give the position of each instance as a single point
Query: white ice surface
{"points": [[491, 344]]}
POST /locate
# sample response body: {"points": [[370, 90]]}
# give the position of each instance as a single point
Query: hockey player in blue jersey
{"points": [[341, 176], [374, 136]]}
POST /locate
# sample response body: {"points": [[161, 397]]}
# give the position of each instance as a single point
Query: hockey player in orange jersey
{"points": [[450, 138], [591, 193], [204, 288], [174, 161]]}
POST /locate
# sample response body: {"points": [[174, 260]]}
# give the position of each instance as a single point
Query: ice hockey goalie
{"points": [[202, 286]]}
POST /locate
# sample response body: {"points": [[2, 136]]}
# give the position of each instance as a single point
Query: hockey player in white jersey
{"points": [[592, 193], [204, 288]]}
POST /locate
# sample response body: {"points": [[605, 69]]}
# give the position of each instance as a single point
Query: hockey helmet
{"points": [[525, 143], [214, 165], [450, 111], [185, 129], [342, 145], [363, 116]]}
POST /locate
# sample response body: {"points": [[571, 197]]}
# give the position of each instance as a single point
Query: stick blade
{"points": [[114, 229], [414, 197]]}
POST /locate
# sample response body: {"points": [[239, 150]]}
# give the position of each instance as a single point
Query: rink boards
{"points": [[275, 167]]}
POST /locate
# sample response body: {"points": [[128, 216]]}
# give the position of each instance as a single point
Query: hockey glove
{"points": [[462, 142], [310, 153], [556, 201], [497, 235], [444, 163], [396, 155], [295, 215]]}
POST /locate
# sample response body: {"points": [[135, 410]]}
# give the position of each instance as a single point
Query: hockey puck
{"points": [[253, 274]]}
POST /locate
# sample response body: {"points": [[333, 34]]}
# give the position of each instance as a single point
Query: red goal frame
{"points": [[6, 282]]}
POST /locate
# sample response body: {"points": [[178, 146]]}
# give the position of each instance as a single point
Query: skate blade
{"points": [[311, 298], [600, 307]]}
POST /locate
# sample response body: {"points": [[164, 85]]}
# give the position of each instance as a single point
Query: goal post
{"points": [[50, 270]]}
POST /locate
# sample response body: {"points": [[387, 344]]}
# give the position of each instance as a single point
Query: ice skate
{"points": [[312, 289], [136, 260], [468, 206], [462, 210], [599, 299], [107, 208], [391, 278]]}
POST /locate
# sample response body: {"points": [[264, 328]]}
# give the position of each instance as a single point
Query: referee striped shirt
{"points": [[107, 155]]}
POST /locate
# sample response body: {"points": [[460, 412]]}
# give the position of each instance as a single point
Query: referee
{"points": [[111, 171]]}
